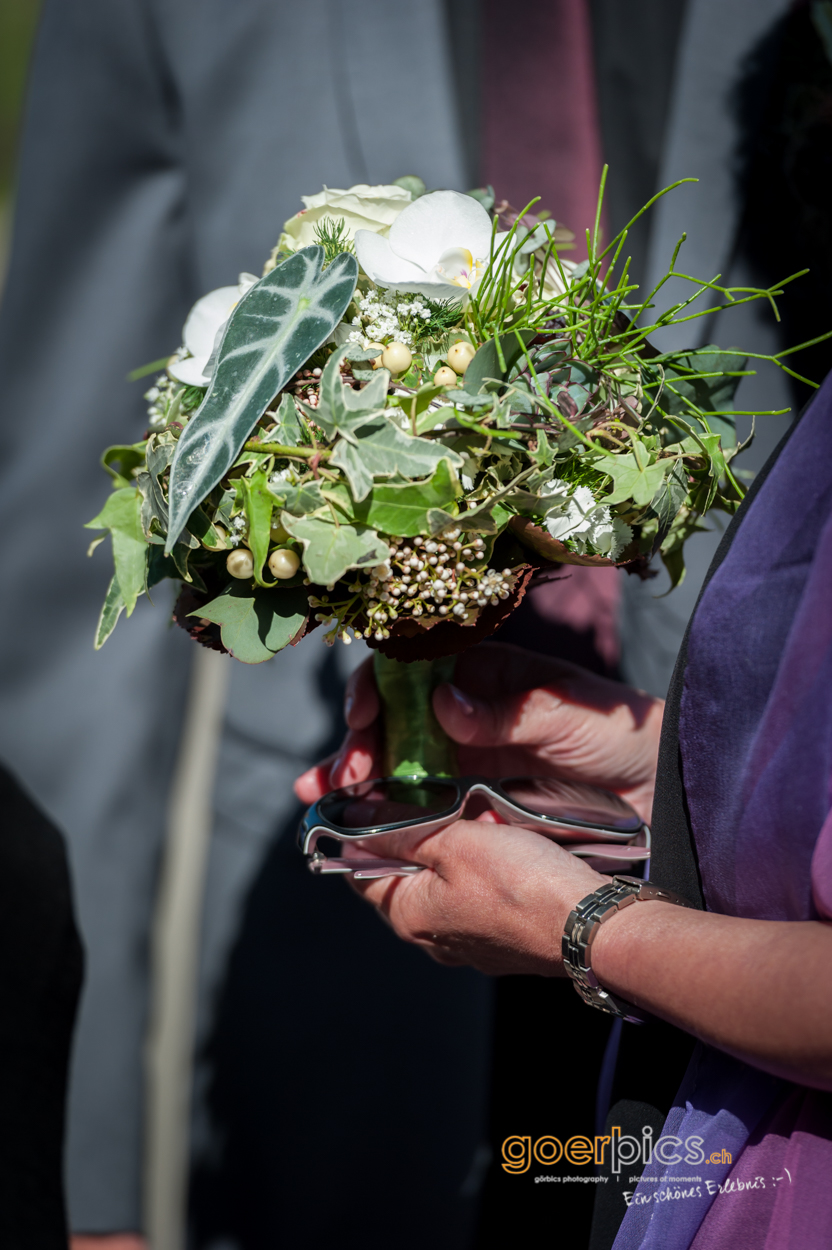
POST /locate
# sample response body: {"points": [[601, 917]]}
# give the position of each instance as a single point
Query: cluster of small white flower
{"points": [[387, 315], [421, 578], [159, 399], [588, 526], [288, 474], [237, 531]]}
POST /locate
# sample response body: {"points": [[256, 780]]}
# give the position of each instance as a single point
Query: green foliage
{"points": [[330, 549], [256, 624], [412, 183], [111, 610], [333, 236], [494, 360], [636, 475], [121, 515], [258, 502], [382, 450], [403, 509], [120, 461], [273, 330]]}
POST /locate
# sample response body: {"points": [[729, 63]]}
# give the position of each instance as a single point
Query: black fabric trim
{"points": [[674, 863]]}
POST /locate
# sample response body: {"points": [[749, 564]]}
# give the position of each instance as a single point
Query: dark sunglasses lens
{"points": [[373, 803], [572, 802]]}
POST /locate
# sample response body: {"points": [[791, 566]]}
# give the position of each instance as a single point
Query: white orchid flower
{"points": [[438, 246], [204, 328]]}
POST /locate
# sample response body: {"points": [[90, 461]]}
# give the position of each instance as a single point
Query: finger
{"points": [[314, 783], [530, 718], [361, 705], [357, 760]]}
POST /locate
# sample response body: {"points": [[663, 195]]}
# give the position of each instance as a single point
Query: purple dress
{"points": [[756, 745]]}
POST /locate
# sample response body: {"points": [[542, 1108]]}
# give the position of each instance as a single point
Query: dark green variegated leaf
{"points": [[110, 612], [258, 502], [342, 410], [383, 449], [276, 326], [403, 510], [485, 371], [256, 624], [121, 515], [330, 549]]}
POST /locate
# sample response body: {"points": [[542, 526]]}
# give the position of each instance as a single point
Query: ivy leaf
{"points": [[258, 502], [669, 498], [415, 405], [158, 453], [544, 454], [342, 410], [479, 520], [330, 549], [275, 327], [110, 612], [299, 500], [256, 624], [383, 450], [633, 475], [121, 460], [121, 515], [403, 510], [288, 429]]}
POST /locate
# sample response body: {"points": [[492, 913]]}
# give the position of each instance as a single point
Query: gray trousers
{"points": [[165, 142]]}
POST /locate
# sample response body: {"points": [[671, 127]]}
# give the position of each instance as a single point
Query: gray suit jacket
{"points": [[165, 142]]}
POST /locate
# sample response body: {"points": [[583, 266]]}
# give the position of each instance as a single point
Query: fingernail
{"points": [[462, 701], [337, 765], [348, 706]]}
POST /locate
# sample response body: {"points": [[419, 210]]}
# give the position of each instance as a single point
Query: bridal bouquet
{"points": [[419, 407]]}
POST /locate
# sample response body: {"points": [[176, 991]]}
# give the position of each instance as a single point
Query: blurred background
{"points": [[18, 19], [257, 1062]]}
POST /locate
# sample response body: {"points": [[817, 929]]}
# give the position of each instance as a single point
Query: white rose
{"points": [[360, 208]]}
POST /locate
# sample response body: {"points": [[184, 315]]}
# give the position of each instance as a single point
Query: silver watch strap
{"points": [[582, 926]]}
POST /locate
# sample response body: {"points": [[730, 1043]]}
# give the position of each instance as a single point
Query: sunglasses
{"points": [[592, 823]]}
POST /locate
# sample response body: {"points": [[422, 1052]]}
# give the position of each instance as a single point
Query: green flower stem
{"points": [[414, 741], [279, 449]]}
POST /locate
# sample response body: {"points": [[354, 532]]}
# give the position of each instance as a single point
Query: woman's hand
{"points": [[514, 712], [491, 896]]}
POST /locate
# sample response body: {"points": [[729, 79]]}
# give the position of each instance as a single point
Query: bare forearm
{"points": [[755, 988]]}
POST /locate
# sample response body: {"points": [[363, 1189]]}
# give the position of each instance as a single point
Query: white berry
{"points": [[284, 563], [240, 563], [397, 358], [460, 356]]}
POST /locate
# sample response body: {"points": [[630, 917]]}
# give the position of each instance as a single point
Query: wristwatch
{"points": [[582, 926]]}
